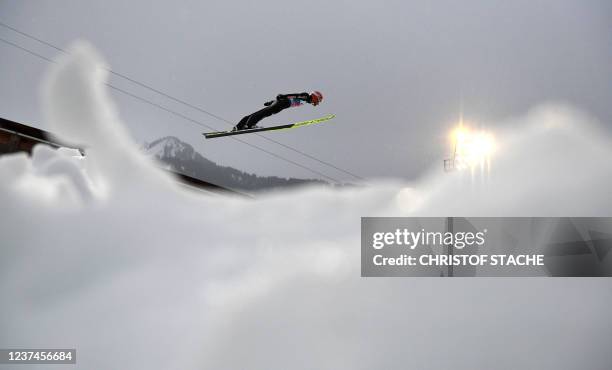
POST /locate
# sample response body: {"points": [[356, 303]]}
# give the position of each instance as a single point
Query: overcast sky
{"points": [[395, 73]]}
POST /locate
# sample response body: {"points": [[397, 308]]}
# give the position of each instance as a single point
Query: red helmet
{"points": [[316, 97]]}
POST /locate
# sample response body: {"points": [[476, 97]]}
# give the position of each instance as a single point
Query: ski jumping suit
{"points": [[283, 101]]}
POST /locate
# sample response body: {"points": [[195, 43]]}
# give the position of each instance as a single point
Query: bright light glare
{"points": [[472, 148]]}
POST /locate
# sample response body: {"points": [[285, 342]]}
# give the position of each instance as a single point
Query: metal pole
{"points": [[451, 248]]}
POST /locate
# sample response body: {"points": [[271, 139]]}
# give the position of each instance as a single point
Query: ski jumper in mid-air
{"points": [[282, 102]]}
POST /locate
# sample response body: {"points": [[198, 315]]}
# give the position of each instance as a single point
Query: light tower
{"points": [[470, 149]]}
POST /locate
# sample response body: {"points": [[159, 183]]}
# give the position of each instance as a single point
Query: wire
{"points": [[28, 51], [231, 123], [213, 128], [182, 116], [148, 87], [30, 36]]}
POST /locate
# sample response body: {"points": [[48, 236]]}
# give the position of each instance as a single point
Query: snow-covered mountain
{"points": [[181, 157], [170, 146]]}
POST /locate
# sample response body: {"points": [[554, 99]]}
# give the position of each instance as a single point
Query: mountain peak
{"points": [[169, 147]]}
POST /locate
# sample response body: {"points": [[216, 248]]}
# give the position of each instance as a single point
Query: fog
{"points": [[108, 255]]}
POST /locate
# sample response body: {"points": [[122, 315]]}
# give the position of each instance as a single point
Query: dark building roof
{"points": [[31, 133]]}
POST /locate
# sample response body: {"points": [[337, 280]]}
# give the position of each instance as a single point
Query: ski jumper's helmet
{"points": [[316, 97]]}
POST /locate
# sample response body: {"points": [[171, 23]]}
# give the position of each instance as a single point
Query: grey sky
{"points": [[394, 72]]}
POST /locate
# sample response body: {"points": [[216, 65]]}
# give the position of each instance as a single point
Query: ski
{"points": [[212, 135]]}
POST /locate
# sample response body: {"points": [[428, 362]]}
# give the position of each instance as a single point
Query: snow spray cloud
{"points": [[105, 254]]}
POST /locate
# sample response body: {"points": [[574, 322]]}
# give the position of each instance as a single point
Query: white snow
{"points": [[108, 255]]}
